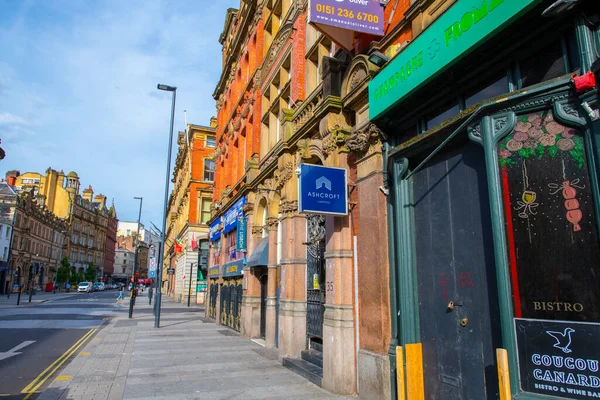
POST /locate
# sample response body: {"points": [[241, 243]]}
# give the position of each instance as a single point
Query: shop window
{"points": [[217, 252], [442, 116], [548, 63], [495, 89], [231, 242], [552, 235]]}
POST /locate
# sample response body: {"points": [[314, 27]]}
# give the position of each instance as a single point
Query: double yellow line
{"points": [[47, 373]]}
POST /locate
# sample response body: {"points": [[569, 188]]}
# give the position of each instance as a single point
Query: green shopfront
{"points": [[492, 162]]}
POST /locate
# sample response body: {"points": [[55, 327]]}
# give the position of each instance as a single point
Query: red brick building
{"points": [[305, 284], [111, 239], [189, 211]]}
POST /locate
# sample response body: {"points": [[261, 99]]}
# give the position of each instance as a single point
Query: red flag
{"points": [[194, 244], [178, 246]]}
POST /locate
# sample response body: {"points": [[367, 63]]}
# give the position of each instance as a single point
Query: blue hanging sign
{"points": [[242, 226], [214, 231], [322, 190], [231, 215]]}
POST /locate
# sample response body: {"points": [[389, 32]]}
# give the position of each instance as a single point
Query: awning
{"points": [[260, 255]]}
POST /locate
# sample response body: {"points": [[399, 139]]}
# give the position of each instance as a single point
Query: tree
{"points": [[90, 273], [76, 277], [64, 271]]}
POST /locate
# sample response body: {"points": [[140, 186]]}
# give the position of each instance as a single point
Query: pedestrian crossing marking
{"points": [[63, 378]]}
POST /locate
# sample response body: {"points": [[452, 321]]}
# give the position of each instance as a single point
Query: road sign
{"points": [[322, 190], [152, 273], [170, 271]]}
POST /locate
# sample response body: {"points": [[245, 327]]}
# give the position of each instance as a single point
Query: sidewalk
{"points": [[186, 358]]}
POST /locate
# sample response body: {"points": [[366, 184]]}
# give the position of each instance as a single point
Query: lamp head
{"points": [[168, 88], [558, 7], [379, 59]]}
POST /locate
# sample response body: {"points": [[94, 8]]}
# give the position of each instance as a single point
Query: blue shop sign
{"points": [[233, 268], [214, 232], [241, 234], [213, 272], [322, 190], [231, 215]]}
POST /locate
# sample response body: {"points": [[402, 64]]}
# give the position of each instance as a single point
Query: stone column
{"points": [[292, 303], [250, 325], [339, 367], [271, 312], [211, 257], [373, 272]]}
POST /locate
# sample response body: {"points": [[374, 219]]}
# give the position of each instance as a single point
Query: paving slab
{"points": [[186, 358]]}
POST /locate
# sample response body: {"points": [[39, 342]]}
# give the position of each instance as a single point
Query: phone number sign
{"points": [[355, 15]]}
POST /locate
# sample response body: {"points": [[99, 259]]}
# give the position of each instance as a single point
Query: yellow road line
{"points": [[41, 378]]}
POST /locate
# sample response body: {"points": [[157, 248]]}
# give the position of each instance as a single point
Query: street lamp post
{"points": [[173, 90], [135, 259], [190, 291]]}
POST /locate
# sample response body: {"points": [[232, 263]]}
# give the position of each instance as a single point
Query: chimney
{"points": [[11, 177], [88, 193]]}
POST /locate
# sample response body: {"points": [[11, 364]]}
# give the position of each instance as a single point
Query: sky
{"points": [[78, 89]]}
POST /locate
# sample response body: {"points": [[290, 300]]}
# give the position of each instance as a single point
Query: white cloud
{"points": [[10, 119], [78, 83]]}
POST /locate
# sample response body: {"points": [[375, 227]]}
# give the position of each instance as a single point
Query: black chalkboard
{"points": [[551, 221], [559, 358]]}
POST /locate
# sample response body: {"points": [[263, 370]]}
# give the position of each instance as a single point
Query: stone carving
{"points": [[268, 162], [275, 49], [247, 208], [360, 140], [257, 231], [284, 175], [357, 77], [329, 145], [288, 207], [272, 223]]}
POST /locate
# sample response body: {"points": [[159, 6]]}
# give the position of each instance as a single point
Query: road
{"points": [[38, 340]]}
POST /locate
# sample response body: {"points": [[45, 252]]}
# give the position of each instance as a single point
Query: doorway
{"points": [[315, 279], [264, 280], [459, 320]]}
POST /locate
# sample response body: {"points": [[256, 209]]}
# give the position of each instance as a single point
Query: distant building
{"points": [[38, 241], [123, 267], [127, 228], [111, 240], [8, 202], [189, 210], [87, 215]]}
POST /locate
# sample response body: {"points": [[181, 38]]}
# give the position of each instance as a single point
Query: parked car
{"points": [[98, 286], [85, 287]]}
